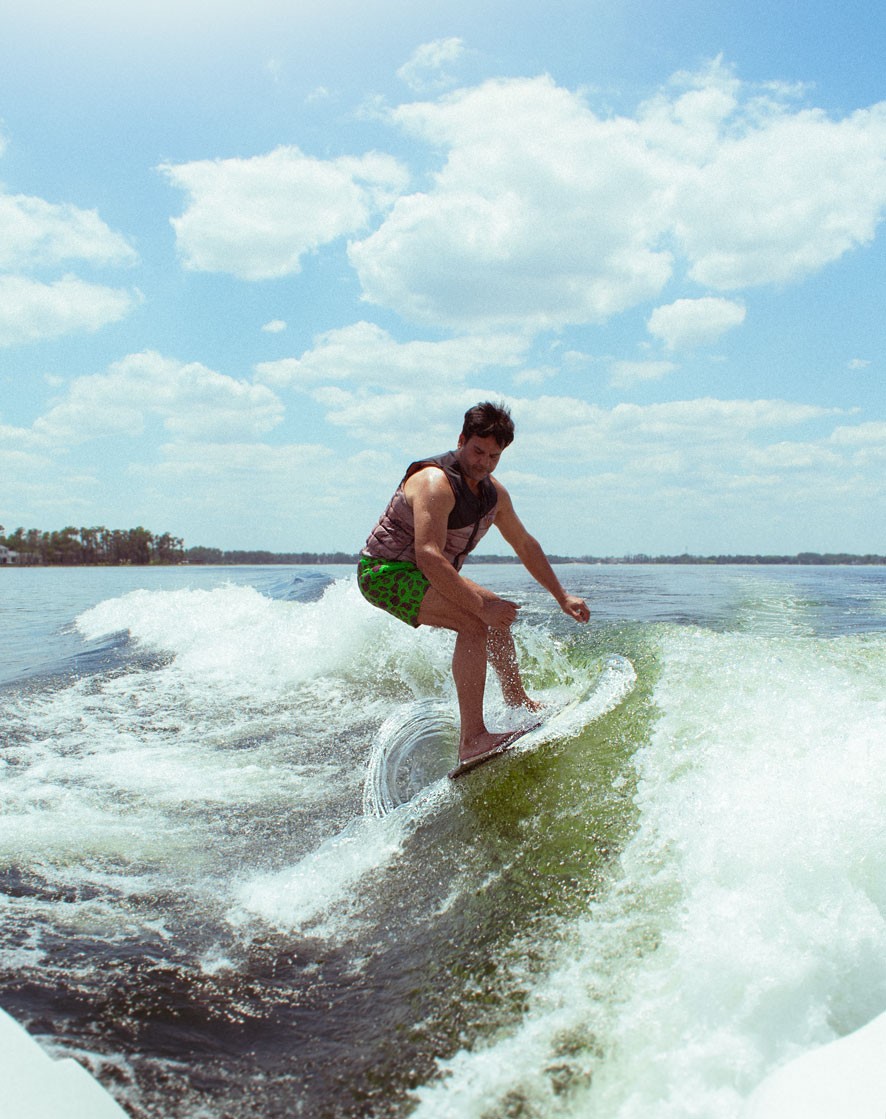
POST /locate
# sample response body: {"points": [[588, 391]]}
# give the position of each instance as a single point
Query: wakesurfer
{"points": [[411, 568]]}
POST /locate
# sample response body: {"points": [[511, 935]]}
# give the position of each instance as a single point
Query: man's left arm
{"points": [[533, 558]]}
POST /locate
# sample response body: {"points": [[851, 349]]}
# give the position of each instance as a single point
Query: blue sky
{"points": [[255, 257]]}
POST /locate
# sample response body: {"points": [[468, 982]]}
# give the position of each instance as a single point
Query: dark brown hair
{"points": [[489, 419]]}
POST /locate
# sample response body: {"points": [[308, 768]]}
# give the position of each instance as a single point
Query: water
{"points": [[203, 899]]}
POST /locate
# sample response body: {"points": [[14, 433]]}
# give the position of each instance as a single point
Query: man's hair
{"points": [[489, 419]]}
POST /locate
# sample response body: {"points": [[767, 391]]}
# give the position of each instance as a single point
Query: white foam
{"points": [[318, 894], [746, 921], [148, 778], [235, 634]]}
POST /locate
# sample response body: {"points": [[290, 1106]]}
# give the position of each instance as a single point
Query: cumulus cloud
{"points": [[39, 235], [786, 455], [250, 472], [430, 67], [867, 444], [403, 420], [542, 215], [189, 399], [708, 417], [30, 310], [574, 430], [782, 199], [35, 233], [256, 218], [367, 354], [694, 322], [545, 213], [872, 434]]}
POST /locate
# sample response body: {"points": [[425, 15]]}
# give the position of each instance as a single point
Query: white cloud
{"points": [[720, 475], [708, 417], [694, 322], [429, 68], [782, 197], [256, 218], [243, 470], [275, 326], [569, 429], [544, 213], [367, 354], [871, 433], [30, 310], [189, 399], [686, 119], [791, 456], [407, 420], [35, 233]]}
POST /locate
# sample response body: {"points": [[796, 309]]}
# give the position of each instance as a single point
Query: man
{"points": [[411, 567]]}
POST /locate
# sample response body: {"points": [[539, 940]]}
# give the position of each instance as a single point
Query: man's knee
{"points": [[474, 626], [438, 611]]}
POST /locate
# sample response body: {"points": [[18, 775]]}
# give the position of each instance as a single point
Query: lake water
{"points": [[639, 918]]}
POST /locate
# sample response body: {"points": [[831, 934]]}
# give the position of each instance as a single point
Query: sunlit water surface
{"points": [[234, 882]]}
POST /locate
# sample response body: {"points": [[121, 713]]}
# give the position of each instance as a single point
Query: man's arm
{"points": [[533, 558], [432, 500]]}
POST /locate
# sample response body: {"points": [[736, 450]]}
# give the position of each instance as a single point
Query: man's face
{"points": [[478, 456]]}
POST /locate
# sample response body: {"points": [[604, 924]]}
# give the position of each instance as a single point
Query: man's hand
{"points": [[576, 608], [499, 613]]}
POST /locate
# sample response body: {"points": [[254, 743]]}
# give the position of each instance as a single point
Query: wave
{"points": [[239, 813], [415, 747], [745, 920]]}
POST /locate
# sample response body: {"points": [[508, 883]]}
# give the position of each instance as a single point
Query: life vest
{"points": [[393, 538]]}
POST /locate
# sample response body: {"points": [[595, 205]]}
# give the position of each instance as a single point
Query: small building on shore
{"points": [[7, 556]]}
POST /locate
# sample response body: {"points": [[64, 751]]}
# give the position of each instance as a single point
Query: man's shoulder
{"points": [[429, 483]]}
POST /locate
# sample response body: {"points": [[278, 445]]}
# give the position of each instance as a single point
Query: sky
{"points": [[256, 257]]}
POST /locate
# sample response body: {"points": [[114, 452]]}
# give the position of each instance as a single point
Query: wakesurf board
{"points": [[413, 749]]}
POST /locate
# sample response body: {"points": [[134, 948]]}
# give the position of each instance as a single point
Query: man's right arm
{"points": [[432, 500]]}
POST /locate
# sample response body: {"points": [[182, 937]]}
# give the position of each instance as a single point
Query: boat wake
{"points": [[416, 746]]}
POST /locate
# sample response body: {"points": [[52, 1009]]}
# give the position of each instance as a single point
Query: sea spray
{"points": [[192, 894], [746, 919]]}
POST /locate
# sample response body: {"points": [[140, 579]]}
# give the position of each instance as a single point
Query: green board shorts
{"points": [[396, 586]]}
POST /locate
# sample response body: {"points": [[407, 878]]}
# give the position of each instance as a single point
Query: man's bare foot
{"points": [[532, 704], [521, 699], [486, 743], [484, 747]]}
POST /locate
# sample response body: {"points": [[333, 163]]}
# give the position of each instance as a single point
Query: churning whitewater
{"points": [[236, 881]]}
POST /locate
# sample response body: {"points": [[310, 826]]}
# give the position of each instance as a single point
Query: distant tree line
{"points": [[809, 559], [71, 547], [211, 556], [102, 546]]}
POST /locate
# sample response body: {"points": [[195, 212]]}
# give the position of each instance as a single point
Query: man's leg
{"points": [[503, 658], [468, 669]]}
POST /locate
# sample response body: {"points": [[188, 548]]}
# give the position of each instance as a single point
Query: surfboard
{"points": [[543, 727], [413, 750]]}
